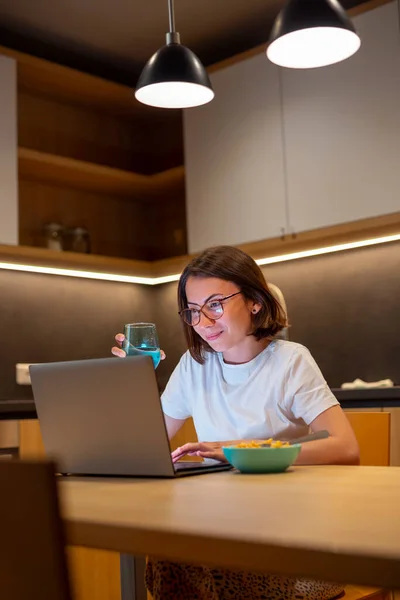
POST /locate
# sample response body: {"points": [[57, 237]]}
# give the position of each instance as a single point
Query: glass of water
{"points": [[141, 339]]}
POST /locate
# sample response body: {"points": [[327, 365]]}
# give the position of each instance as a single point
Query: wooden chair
{"points": [[33, 564], [94, 574]]}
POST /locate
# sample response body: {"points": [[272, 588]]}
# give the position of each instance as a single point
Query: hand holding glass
{"points": [[141, 339]]}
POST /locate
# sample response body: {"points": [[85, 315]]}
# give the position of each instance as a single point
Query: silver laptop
{"points": [[104, 417]]}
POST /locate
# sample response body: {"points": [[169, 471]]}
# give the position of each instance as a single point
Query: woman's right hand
{"points": [[117, 350]]}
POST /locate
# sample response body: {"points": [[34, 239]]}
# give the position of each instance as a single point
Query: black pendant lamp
{"points": [[312, 33], [174, 76]]}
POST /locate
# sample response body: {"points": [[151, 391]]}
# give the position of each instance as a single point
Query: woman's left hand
{"points": [[203, 449]]}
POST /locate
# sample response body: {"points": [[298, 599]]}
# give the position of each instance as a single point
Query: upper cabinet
{"points": [[88, 156], [8, 152], [233, 158], [286, 151], [342, 130], [278, 151]]}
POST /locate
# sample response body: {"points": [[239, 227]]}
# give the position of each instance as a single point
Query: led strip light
{"points": [[168, 278]]}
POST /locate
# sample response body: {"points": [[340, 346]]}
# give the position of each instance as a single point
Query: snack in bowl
{"points": [[269, 456], [270, 442]]}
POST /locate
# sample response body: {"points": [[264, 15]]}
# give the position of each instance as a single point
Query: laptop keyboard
{"points": [[181, 466]]}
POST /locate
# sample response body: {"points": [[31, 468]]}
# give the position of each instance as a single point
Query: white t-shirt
{"points": [[277, 394]]}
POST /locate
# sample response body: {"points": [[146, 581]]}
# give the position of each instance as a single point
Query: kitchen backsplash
{"points": [[50, 318]]}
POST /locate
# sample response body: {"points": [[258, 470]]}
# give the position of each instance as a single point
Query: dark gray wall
{"points": [[344, 307], [50, 318]]}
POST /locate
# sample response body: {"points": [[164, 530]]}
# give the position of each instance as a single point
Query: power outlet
{"points": [[22, 373]]}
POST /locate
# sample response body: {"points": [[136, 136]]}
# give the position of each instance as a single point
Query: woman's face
{"points": [[229, 331]]}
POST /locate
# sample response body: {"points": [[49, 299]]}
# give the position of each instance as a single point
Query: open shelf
{"points": [[68, 172], [42, 257]]}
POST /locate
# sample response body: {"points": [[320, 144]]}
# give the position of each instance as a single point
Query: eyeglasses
{"points": [[212, 309]]}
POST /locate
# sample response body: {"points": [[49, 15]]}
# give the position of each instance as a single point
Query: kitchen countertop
{"points": [[368, 398], [11, 410]]}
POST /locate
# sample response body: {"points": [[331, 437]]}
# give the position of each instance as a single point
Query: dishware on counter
{"points": [[262, 459], [142, 339]]}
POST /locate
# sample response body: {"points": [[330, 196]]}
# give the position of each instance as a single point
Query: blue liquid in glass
{"points": [[155, 353]]}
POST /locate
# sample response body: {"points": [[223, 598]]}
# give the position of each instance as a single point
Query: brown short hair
{"points": [[231, 264]]}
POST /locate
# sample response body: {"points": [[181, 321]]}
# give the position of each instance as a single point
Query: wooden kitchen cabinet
{"points": [[394, 437], [295, 152], [89, 155], [373, 432], [30, 440]]}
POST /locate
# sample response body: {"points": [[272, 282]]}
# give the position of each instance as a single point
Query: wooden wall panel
{"points": [[99, 124], [117, 226], [168, 215], [127, 227], [91, 135], [144, 145]]}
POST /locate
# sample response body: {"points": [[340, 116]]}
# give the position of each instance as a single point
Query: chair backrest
{"points": [[372, 430], [277, 293], [32, 551]]}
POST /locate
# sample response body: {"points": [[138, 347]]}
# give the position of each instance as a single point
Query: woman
{"points": [[239, 383]]}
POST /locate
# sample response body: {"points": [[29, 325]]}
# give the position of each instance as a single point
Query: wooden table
{"points": [[332, 523]]}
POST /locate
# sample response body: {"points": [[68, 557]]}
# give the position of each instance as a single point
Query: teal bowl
{"points": [[262, 460]]}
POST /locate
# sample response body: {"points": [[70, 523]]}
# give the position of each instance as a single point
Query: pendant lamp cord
{"points": [[398, 13], [171, 16]]}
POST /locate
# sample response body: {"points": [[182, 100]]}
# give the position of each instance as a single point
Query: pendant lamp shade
{"points": [[312, 33], [174, 78]]}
